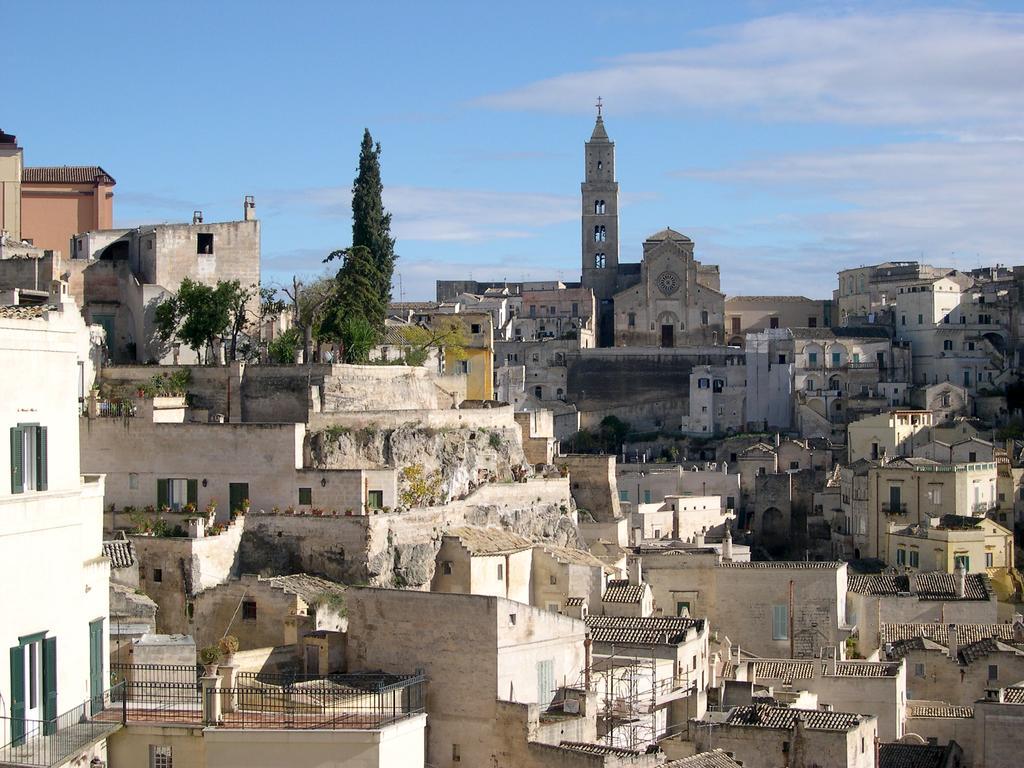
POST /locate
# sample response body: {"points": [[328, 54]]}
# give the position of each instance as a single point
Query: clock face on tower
{"points": [[668, 283]]}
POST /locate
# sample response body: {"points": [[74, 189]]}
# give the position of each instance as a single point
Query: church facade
{"points": [[669, 299]]}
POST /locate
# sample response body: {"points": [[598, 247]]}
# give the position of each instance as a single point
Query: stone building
{"points": [[484, 561], [667, 300], [650, 675], [118, 276], [876, 688], [486, 656], [977, 544], [750, 314], [761, 736], [927, 597], [956, 663], [228, 466], [264, 612], [777, 608], [910, 492], [48, 205], [56, 605]]}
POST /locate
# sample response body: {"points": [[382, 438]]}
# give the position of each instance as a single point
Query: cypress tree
{"points": [[371, 224]]}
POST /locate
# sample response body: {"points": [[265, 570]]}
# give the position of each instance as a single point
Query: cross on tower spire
{"points": [[598, 105]]}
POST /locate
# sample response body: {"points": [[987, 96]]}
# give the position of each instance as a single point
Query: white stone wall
{"points": [[50, 540]]}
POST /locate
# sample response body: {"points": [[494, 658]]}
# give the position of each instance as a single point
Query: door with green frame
{"points": [[33, 664], [96, 666]]}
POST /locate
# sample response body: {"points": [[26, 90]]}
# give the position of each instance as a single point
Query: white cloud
{"points": [[430, 213], [954, 204], [956, 69]]}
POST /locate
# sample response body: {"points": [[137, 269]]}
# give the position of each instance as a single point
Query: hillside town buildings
{"points": [[625, 521]]}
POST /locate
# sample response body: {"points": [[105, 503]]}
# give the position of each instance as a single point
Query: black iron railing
{"points": [[160, 692], [175, 694], [320, 704], [46, 743]]}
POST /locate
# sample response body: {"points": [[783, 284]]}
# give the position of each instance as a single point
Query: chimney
{"points": [[635, 572], [577, 611], [249, 208], [700, 537], [954, 646], [638, 536], [833, 653], [197, 217], [959, 577], [727, 544], [778, 439]]}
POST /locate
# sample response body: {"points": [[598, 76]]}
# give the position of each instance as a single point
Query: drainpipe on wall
{"points": [[792, 641], [587, 643]]}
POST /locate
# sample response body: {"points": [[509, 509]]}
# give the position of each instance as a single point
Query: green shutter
{"points": [[17, 695], [163, 493], [41, 462], [193, 492], [17, 471], [50, 684]]}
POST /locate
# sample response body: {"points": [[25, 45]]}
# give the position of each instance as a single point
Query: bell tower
{"points": [[600, 224]]}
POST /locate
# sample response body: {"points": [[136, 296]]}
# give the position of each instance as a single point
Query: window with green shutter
{"points": [[175, 492], [305, 496], [29, 460], [17, 461]]}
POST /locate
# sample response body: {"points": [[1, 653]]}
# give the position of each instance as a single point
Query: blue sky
{"points": [[789, 140]]}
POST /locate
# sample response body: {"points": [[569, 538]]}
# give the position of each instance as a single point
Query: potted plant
{"points": [[228, 645], [210, 657]]}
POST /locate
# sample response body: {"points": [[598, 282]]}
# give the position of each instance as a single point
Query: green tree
{"points": [[195, 315], [237, 300], [613, 433], [282, 349], [358, 338], [371, 224], [310, 305], [357, 309], [447, 334]]}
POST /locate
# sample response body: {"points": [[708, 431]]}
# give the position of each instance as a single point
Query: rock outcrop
{"points": [[456, 461]]}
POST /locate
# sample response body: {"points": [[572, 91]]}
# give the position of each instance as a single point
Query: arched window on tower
{"points": [[599, 206], [599, 260], [600, 165], [599, 234]]}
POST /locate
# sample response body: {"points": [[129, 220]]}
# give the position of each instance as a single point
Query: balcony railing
{"points": [[894, 509], [175, 694], [46, 743]]}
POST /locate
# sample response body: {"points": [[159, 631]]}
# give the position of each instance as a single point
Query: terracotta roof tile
{"points": [[645, 630], [621, 591], [66, 174], [939, 710], [785, 670], [489, 541], [1014, 695], [716, 758], [897, 755], [598, 749], [965, 633], [121, 553], [785, 717], [866, 669], [792, 565], [24, 312]]}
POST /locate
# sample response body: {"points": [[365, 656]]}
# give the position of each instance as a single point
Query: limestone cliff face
{"points": [[452, 462], [404, 553], [398, 549]]}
